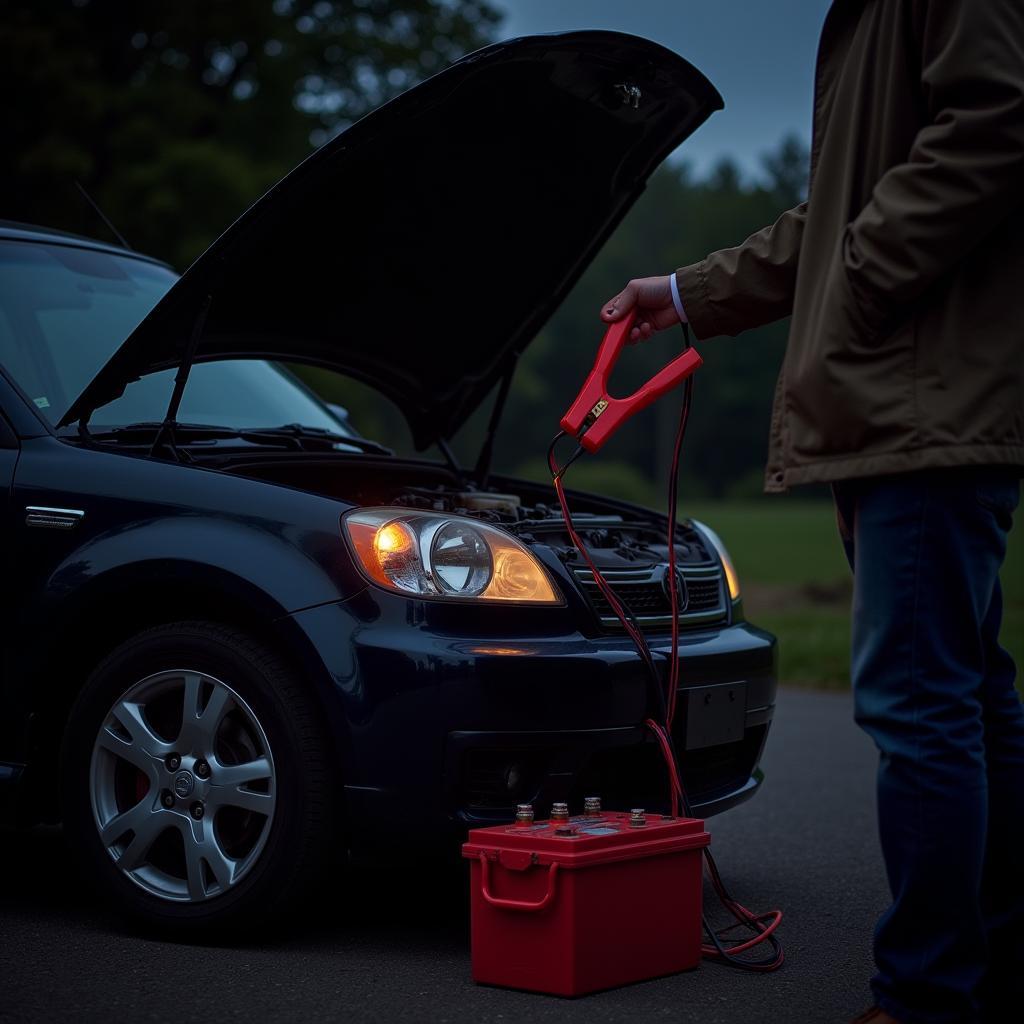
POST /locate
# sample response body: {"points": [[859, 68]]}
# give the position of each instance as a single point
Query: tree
{"points": [[786, 171], [176, 116], [679, 220]]}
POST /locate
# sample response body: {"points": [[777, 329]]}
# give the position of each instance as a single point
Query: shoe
{"points": [[876, 1015]]}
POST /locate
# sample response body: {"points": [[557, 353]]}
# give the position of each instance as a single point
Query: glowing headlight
{"points": [[445, 557], [460, 560], [731, 578]]}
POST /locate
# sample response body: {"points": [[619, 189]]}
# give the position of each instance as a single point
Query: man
{"points": [[903, 387]]}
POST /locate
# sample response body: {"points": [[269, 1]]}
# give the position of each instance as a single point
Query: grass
{"points": [[796, 582]]}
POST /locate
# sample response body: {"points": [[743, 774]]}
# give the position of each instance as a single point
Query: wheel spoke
{"points": [[199, 724], [235, 775], [222, 866], [193, 689], [246, 799], [142, 842], [131, 718], [129, 750], [146, 824], [133, 819], [211, 716], [194, 866], [190, 735], [201, 847]]}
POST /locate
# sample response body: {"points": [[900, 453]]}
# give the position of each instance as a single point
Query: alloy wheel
{"points": [[182, 785]]}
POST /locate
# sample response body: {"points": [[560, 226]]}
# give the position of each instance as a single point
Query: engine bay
{"points": [[614, 540], [617, 535]]}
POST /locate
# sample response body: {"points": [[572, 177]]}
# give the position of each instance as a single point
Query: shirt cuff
{"points": [[676, 300]]}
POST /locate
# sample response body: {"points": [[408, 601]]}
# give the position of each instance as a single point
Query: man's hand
{"points": [[655, 310]]}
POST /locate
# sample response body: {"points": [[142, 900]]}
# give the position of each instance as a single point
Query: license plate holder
{"points": [[715, 714]]}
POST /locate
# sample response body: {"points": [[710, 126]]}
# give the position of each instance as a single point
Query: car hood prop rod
{"points": [[482, 470], [180, 379]]}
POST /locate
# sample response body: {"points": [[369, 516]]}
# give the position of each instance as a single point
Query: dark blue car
{"points": [[242, 641]]}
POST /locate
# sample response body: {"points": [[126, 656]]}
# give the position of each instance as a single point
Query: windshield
{"points": [[234, 393], [65, 310]]}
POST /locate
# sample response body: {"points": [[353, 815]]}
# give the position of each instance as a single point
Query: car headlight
{"points": [[439, 556], [731, 579]]}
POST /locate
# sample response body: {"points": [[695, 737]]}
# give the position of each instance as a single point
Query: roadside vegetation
{"points": [[796, 583]]}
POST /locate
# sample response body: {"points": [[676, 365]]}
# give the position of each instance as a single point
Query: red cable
{"points": [[741, 913], [743, 916], [673, 677]]}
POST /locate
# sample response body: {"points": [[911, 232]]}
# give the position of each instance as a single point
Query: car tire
{"points": [[231, 806]]}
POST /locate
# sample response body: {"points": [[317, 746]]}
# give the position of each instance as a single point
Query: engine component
{"points": [[486, 501]]}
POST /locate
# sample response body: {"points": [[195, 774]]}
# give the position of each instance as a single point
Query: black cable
{"points": [[763, 932], [558, 471], [768, 963], [622, 611]]}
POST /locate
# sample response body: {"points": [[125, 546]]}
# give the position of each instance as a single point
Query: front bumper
{"points": [[439, 730]]}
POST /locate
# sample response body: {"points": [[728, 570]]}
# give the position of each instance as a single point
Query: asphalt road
{"points": [[391, 947]]}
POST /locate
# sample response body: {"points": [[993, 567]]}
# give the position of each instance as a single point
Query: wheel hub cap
{"points": [[183, 785]]}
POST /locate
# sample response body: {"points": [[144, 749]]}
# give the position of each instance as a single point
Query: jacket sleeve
{"points": [[965, 170], [733, 290]]}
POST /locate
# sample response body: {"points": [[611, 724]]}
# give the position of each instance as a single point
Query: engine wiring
{"points": [[721, 945]]}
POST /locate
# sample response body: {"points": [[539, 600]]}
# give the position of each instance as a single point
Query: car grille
{"points": [[645, 594]]}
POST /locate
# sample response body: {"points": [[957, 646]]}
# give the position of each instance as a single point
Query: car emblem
{"points": [[682, 593], [184, 784]]}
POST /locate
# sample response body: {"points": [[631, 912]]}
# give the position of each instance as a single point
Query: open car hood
{"points": [[421, 250]]}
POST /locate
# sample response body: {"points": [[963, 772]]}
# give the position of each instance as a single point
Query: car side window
{"points": [[65, 310], [18, 361]]}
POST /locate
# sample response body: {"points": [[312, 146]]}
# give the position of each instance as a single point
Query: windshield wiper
{"points": [[303, 433], [144, 432], [296, 434]]}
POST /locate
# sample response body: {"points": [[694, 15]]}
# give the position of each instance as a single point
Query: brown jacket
{"points": [[904, 270]]}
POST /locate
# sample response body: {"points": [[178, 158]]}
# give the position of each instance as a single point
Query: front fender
{"points": [[144, 515], [119, 583], [277, 571]]}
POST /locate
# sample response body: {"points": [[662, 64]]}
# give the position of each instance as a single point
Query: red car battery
{"points": [[571, 906]]}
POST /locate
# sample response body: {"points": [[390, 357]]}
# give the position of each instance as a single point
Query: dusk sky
{"points": [[759, 54]]}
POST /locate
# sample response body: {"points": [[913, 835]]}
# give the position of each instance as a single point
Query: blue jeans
{"points": [[935, 691]]}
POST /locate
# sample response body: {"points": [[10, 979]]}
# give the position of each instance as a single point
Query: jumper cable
{"points": [[592, 418]]}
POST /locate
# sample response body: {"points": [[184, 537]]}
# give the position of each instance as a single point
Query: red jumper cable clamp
{"points": [[595, 415]]}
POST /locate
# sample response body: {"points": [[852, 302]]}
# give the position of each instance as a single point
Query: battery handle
{"points": [[507, 904]]}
